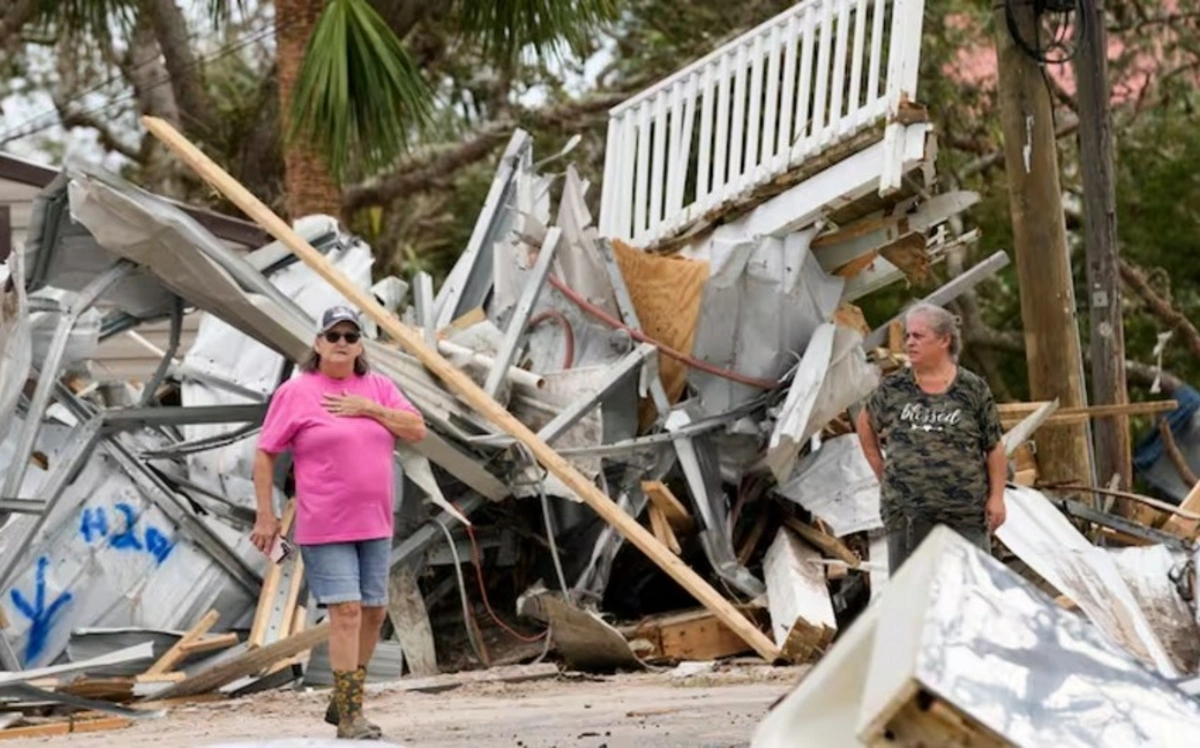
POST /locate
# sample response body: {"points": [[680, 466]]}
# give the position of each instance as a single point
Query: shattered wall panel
{"points": [[110, 557]]}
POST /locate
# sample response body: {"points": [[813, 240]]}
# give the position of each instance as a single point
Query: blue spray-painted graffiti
{"points": [[40, 614], [93, 526]]}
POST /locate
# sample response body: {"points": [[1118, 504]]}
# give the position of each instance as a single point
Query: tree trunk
{"points": [[144, 69], [307, 182], [186, 73]]}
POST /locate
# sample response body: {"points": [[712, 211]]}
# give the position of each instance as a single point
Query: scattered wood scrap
{"points": [[71, 724], [823, 541], [691, 635]]}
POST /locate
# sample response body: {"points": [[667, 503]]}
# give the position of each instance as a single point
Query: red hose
{"points": [[568, 332], [695, 363]]}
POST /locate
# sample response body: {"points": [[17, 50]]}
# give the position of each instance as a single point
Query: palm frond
{"points": [[505, 27], [358, 97], [95, 18]]}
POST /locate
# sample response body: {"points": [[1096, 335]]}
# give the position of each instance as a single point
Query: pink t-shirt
{"points": [[344, 477]]}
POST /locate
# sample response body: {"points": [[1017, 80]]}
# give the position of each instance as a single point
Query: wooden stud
{"points": [[462, 385], [66, 727], [211, 643], [671, 507], [827, 544], [270, 587], [176, 653], [661, 528]]}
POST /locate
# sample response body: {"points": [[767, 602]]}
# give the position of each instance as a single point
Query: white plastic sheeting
{"points": [[837, 485]]}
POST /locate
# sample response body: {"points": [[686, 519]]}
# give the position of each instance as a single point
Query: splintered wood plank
{"points": [[410, 619], [671, 507], [801, 609], [176, 653], [927, 721], [826, 543], [211, 643], [1186, 528], [896, 336], [270, 588], [251, 662], [666, 294], [661, 528], [909, 253]]}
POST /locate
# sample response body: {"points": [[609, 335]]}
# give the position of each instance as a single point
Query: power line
{"points": [[28, 128]]}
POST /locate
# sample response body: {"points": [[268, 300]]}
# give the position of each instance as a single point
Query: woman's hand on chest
{"points": [[348, 405]]}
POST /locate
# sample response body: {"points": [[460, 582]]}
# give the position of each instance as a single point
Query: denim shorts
{"points": [[354, 572]]}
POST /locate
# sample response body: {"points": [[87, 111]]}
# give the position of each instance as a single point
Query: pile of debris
{"points": [[701, 382]]}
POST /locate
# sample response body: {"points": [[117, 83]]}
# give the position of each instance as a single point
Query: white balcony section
{"points": [[803, 90]]}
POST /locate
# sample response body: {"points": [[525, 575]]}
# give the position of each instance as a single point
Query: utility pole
{"points": [[1052, 350], [1107, 343]]}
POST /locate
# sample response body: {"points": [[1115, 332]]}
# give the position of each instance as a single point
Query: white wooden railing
{"points": [[802, 82]]}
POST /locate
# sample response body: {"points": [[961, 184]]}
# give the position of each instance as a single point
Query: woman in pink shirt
{"points": [[341, 422]]}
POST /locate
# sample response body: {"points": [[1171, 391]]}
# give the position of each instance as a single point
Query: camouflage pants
{"points": [[904, 540]]}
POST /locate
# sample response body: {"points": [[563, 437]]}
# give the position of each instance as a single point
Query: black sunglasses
{"points": [[351, 337]]}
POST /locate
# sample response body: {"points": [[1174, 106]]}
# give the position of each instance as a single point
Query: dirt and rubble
{"points": [[659, 709]]}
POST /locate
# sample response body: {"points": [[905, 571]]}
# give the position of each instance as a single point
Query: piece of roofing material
{"points": [[837, 485], [764, 300], [1042, 537]]}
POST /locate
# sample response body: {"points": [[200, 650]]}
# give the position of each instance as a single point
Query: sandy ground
{"points": [[642, 710]]}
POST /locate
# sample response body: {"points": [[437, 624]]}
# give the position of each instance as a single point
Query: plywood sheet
{"points": [[667, 293]]}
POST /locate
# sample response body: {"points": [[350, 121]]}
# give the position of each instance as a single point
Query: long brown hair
{"points": [[312, 362]]}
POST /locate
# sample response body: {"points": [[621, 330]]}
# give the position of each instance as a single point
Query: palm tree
{"points": [[351, 97]]}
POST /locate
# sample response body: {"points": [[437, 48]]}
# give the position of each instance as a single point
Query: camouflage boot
{"points": [[331, 713], [347, 702]]}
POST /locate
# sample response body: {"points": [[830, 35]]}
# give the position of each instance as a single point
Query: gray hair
{"points": [[943, 323], [312, 362]]}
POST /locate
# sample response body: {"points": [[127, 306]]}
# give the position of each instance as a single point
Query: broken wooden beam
{"points": [[248, 663], [690, 635], [462, 385], [826, 543], [177, 653], [671, 507]]}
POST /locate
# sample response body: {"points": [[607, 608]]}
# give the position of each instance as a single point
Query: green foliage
{"points": [[503, 28], [359, 96]]}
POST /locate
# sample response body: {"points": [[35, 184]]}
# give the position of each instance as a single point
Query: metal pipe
{"points": [[167, 356], [519, 320]]}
